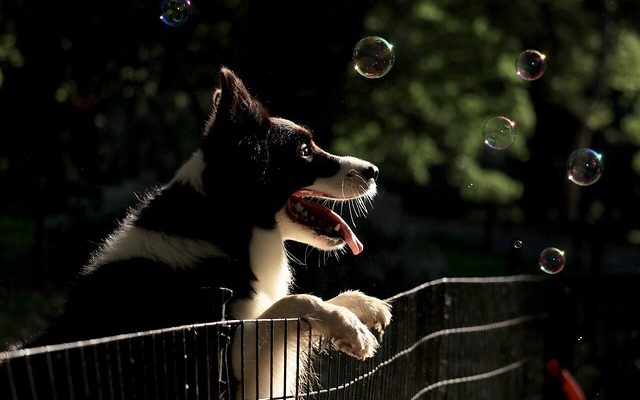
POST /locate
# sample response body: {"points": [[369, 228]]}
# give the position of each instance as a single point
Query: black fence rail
{"points": [[476, 338]]}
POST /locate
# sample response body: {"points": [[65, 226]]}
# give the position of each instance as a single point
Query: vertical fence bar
{"points": [[154, 355], [297, 357], [97, 365], [208, 361], [52, 381], [165, 365], [109, 371], [185, 358], [132, 374], [271, 361], [257, 349], [85, 375], [338, 390], [174, 361], [242, 353], [219, 367], [284, 368], [309, 357], [195, 363], [32, 383], [12, 384], [329, 357], [119, 365]]}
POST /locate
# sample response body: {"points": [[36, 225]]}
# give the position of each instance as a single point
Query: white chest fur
{"points": [[271, 269]]}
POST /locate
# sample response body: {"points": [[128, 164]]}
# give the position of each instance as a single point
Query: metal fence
{"points": [[476, 338]]}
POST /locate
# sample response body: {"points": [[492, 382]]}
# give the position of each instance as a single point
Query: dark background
{"points": [[99, 100]]}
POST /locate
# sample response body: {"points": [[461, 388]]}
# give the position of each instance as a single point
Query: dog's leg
{"points": [[373, 312], [318, 318]]}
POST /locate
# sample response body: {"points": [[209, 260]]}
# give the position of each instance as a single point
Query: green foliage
{"points": [[624, 78], [624, 64], [453, 72], [10, 56], [636, 162], [455, 69]]}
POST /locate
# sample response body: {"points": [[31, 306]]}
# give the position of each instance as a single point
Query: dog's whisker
{"points": [[363, 207], [295, 259], [369, 199], [307, 251], [353, 222], [343, 196]]}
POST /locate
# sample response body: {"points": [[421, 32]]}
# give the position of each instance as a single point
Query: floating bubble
{"points": [[175, 12], [373, 57], [530, 65], [584, 167], [517, 244], [551, 260], [499, 132]]}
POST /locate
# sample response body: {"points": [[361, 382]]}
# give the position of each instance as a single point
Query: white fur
{"points": [[348, 182], [191, 172], [133, 242], [271, 269]]}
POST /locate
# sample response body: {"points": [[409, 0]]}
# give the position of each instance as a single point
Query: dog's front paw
{"points": [[373, 312], [350, 335]]}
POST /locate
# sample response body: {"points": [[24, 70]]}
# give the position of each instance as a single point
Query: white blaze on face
{"points": [[348, 182]]}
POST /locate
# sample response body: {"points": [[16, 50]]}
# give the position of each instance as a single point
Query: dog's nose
{"points": [[371, 172]]}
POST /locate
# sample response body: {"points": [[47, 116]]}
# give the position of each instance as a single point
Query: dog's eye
{"points": [[304, 151]]}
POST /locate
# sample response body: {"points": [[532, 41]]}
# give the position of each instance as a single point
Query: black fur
{"points": [[253, 163], [252, 167]]}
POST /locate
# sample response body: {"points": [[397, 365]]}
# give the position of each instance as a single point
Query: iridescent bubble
{"points": [[373, 57], [551, 260], [530, 65], [499, 132], [584, 167], [175, 12], [517, 244]]}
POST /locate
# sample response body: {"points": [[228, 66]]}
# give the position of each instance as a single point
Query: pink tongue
{"points": [[327, 214], [353, 242]]}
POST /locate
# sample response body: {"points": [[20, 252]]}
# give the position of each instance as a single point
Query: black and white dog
{"points": [[256, 182]]}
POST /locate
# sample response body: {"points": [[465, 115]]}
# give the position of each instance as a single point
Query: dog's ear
{"points": [[234, 109]]}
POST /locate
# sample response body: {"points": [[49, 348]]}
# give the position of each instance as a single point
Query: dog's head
{"points": [[275, 174]]}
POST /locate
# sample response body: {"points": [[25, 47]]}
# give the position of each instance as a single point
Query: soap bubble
{"points": [[373, 57], [584, 167], [499, 132], [517, 244], [551, 260], [530, 65], [175, 12]]}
